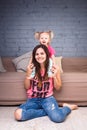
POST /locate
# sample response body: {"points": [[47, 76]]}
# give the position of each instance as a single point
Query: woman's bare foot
{"points": [[71, 106]]}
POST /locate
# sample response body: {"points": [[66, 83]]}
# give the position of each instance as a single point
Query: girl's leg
{"points": [[50, 67], [33, 73], [52, 109], [29, 110]]}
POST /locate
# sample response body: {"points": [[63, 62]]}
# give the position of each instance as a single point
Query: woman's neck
{"points": [[42, 67]]}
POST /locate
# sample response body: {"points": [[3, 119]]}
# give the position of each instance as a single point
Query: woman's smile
{"points": [[40, 55]]}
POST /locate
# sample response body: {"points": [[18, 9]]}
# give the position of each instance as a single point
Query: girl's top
{"points": [[45, 90], [51, 51]]}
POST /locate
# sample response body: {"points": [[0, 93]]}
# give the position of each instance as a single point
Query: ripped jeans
{"points": [[38, 107]]}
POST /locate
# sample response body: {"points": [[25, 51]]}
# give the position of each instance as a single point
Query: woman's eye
{"points": [[42, 53], [36, 54]]}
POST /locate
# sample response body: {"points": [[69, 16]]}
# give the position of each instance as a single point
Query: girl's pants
{"points": [[38, 107]]}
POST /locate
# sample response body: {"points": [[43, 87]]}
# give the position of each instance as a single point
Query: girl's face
{"points": [[40, 56], [44, 39]]}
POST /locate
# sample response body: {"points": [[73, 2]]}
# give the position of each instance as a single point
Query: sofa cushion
{"points": [[74, 89], [74, 64], [8, 65], [58, 61], [2, 69], [22, 62], [12, 90]]}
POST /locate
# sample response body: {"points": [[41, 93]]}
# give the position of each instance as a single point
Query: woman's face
{"points": [[40, 56]]}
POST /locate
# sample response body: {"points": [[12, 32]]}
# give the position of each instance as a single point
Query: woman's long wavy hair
{"points": [[37, 65]]}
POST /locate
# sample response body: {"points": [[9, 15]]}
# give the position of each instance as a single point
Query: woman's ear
{"points": [[37, 35], [51, 34]]}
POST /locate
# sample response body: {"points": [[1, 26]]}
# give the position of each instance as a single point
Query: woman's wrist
{"points": [[28, 76]]}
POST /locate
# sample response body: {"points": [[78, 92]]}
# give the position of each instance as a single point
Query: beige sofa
{"points": [[74, 82]]}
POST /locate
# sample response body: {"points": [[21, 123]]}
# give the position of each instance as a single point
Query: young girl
{"points": [[40, 100], [45, 39]]}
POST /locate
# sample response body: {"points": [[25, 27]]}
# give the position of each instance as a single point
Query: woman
{"points": [[40, 100]]}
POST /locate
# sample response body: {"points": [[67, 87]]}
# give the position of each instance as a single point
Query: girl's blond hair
{"points": [[50, 33]]}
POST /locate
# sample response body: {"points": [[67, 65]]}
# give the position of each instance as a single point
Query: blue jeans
{"points": [[38, 107]]}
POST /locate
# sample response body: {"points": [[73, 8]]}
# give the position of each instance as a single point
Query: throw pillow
{"points": [[2, 69], [58, 62], [22, 62]]}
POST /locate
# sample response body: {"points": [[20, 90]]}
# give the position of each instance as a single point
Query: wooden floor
{"points": [[77, 120]]}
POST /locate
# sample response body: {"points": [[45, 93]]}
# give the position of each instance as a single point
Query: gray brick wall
{"points": [[19, 19]]}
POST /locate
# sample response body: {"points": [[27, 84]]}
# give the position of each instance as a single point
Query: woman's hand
{"points": [[54, 70], [28, 74], [29, 70]]}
